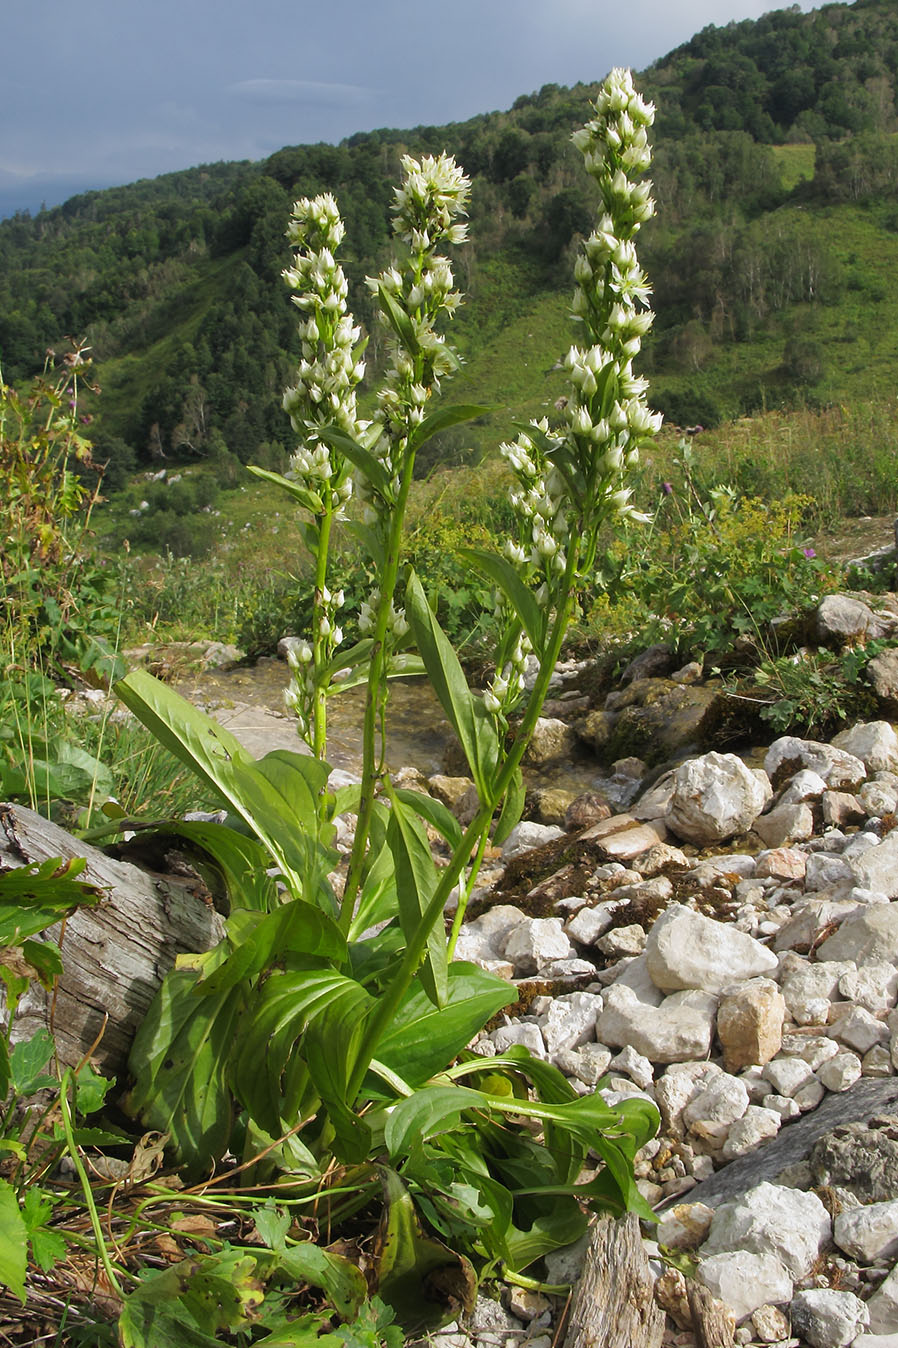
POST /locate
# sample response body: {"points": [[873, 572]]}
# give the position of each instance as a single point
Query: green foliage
{"points": [[720, 570]]}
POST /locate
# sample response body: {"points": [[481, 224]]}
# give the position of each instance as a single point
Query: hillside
{"points": [[773, 255]]}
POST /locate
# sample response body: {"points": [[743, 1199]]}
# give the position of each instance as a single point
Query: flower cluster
{"points": [[330, 368], [576, 478], [413, 298]]}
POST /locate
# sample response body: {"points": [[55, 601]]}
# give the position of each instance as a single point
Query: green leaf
{"points": [[411, 1267], [502, 573], [268, 1038], [45, 959], [343, 1281], [416, 879], [433, 812], [47, 1247], [309, 500], [27, 1061], [276, 796], [512, 808], [233, 865], [442, 419], [13, 1242], [360, 457], [179, 1059], [423, 1039], [399, 320], [331, 1049], [430, 1110], [91, 1089], [475, 730], [263, 940], [35, 896]]}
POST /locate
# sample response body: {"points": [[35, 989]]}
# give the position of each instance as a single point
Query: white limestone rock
{"points": [[786, 823], [877, 868], [788, 1075], [745, 1279], [873, 987], [715, 1106], [570, 1021], [858, 1030], [870, 1233], [771, 1219], [715, 797], [536, 942], [883, 1305], [519, 1032], [873, 742], [684, 1226], [484, 938], [828, 1318], [679, 1030], [757, 1126], [685, 949], [836, 767], [526, 835], [840, 1071]]}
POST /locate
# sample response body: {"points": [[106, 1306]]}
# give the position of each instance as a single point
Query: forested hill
{"points": [[774, 254]]}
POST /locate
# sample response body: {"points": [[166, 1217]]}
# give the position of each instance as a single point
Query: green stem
{"points": [[464, 899], [319, 709], [376, 676], [85, 1184], [388, 1004]]}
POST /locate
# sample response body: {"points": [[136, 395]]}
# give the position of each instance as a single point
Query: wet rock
{"points": [[552, 738], [655, 661], [585, 810], [687, 950], [715, 797]]}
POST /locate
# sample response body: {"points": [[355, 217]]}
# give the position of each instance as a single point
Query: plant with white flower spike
{"points": [[322, 399], [353, 1016]]}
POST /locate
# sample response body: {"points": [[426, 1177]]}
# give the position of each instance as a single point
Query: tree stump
{"points": [[114, 953], [614, 1304]]}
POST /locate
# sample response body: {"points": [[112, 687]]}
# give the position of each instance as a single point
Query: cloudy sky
{"points": [[108, 91]]}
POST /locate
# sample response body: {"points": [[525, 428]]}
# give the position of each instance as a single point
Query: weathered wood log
{"points": [[613, 1304], [713, 1321], [114, 953]]}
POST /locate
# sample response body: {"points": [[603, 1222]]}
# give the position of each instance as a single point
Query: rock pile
{"points": [[729, 948]]}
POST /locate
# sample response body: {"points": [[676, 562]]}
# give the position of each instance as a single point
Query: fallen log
{"points": [[613, 1304], [114, 953]]}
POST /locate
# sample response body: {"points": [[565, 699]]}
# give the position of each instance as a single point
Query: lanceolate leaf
{"points": [[423, 1038], [433, 812], [295, 926], [399, 320], [501, 572], [276, 797], [270, 1034], [179, 1059], [35, 896], [512, 809], [475, 730], [358, 455], [442, 419], [416, 880], [309, 500]]}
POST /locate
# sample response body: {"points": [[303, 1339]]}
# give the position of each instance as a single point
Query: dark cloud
{"points": [[113, 91]]}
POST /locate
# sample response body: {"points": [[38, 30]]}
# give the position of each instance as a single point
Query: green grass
{"points": [[796, 163]]}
